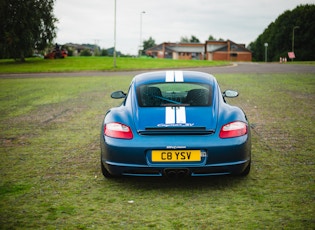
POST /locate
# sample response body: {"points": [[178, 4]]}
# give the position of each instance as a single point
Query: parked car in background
{"points": [[57, 52]]}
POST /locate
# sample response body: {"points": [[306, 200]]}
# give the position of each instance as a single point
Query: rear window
{"points": [[174, 93]]}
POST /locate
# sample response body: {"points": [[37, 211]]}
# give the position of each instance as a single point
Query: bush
{"points": [[104, 52], [85, 52]]}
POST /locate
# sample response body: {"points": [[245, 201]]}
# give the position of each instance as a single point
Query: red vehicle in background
{"points": [[56, 53]]}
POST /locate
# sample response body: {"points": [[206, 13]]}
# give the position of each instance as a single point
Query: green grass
{"points": [[70, 64], [50, 170]]}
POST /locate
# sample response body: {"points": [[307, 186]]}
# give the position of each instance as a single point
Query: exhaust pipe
{"points": [[182, 173], [171, 173], [176, 173]]}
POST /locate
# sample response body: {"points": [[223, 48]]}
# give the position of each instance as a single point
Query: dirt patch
{"points": [[14, 141]]}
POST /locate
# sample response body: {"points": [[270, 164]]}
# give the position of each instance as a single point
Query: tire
{"points": [[105, 172], [246, 170]]}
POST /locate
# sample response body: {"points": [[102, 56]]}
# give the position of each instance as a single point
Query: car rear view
{"points": [[175, 123]]}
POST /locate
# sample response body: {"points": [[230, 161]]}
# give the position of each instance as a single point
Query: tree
{"points": [[211, 38], [193, 39], [279, 36], [148, 44], [184, 39], [104, 52], [86, 52], [25, 25]]}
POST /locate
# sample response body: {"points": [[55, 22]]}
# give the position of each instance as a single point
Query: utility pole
{"points": [[115, 35], [266, 54], [140, 45], [294, 27]]}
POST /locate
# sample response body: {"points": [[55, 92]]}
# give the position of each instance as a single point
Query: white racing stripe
{"points": [[180, 115], [179, 77], [169, 115], [174, 76], [169, 76], [175, 115]]}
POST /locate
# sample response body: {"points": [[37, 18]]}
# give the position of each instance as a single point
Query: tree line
{"points": [[291, 31]]}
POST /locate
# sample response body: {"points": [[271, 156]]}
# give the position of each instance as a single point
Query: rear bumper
{"points": [[206, 170], [132, 158]]}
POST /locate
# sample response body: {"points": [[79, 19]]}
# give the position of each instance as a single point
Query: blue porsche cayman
{"points": [[175, 123]]}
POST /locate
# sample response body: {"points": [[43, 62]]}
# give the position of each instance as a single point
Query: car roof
{"points": [[173, 76]]}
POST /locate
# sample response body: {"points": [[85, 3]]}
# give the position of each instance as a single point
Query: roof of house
{"points": [[211, 46], [193, 48]]}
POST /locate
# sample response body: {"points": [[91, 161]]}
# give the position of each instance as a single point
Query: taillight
{"points": [[118, 130], [233, 129]]}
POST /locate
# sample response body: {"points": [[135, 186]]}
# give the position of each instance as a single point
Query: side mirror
{"points": [[230, 93], [118, 95]]}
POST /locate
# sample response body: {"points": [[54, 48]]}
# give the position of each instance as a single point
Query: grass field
{"points": [[35, 65], [50, 170]]}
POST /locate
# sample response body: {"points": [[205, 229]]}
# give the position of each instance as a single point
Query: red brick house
{"points": [[210, 50], [226, 51], [183, 51]]}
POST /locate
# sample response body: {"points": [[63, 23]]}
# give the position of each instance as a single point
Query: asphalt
{"points": [[245, 68]]}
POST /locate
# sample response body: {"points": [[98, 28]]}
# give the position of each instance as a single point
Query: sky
{"points": [[92, 21]]}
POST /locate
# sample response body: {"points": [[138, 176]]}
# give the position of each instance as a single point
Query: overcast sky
{"points": [[92, 21]]}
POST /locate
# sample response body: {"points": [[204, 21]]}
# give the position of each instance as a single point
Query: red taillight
{"points": [[117, 130], [233, 129]]}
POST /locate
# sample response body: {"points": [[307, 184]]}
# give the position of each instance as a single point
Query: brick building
{"points": [[210, 50]]}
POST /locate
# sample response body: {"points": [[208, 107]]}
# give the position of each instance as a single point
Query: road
{"points": [[246, 68]]}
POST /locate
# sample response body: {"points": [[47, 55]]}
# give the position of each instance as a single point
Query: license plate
{"points": [[175, 155]]}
